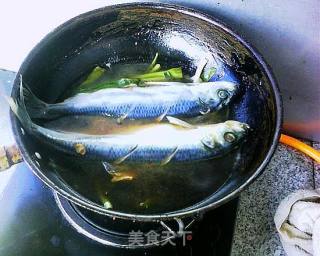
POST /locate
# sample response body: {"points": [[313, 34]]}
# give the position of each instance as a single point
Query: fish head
{"points": [[224, 135], [221, 93]]}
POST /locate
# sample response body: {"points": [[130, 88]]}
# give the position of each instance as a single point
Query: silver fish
{"points": [[176, 141], [154, 101]]}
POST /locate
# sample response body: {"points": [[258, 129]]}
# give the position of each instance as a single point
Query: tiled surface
{"points": [[255, 232]]}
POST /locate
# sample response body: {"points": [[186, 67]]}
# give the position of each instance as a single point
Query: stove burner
{"points": [[116, 232]]}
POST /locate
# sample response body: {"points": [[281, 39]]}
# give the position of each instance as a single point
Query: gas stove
{"points": [[34, 220]]}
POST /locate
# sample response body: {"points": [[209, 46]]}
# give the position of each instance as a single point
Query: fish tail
{"points": [[19, 109], [36, 107]]}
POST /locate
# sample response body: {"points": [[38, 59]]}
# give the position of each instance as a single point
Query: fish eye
{"points": [[229, 137], [223, 94]]}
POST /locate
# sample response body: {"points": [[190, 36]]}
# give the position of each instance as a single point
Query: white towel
{"points": [[297, 220]]}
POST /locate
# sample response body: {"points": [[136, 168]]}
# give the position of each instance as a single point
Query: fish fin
{"points": [[121, 118], [109, 168], [106, 114], [121, 159], [205, 112], [206, 107], [125, 115], [208, 143], [160, 118], [169, 157], [176, 121]]}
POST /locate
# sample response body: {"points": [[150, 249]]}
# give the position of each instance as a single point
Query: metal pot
{"points": [[130, 33]]}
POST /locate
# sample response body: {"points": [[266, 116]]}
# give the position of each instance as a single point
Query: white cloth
{"points": [[297, 220]]}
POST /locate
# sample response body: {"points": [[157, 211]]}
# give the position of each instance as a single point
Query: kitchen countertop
{"points": [[255, 232]]}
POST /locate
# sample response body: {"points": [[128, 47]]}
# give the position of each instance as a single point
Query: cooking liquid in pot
{"points": [[153, 188]]}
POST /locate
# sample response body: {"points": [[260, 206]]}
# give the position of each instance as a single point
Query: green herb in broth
{"points": [[208, 74], [95, 74], [156, 68], [121, 83], [152, 73], [153, 63], [145, 204], [107, 203], [165, 75], [172, 74]]}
